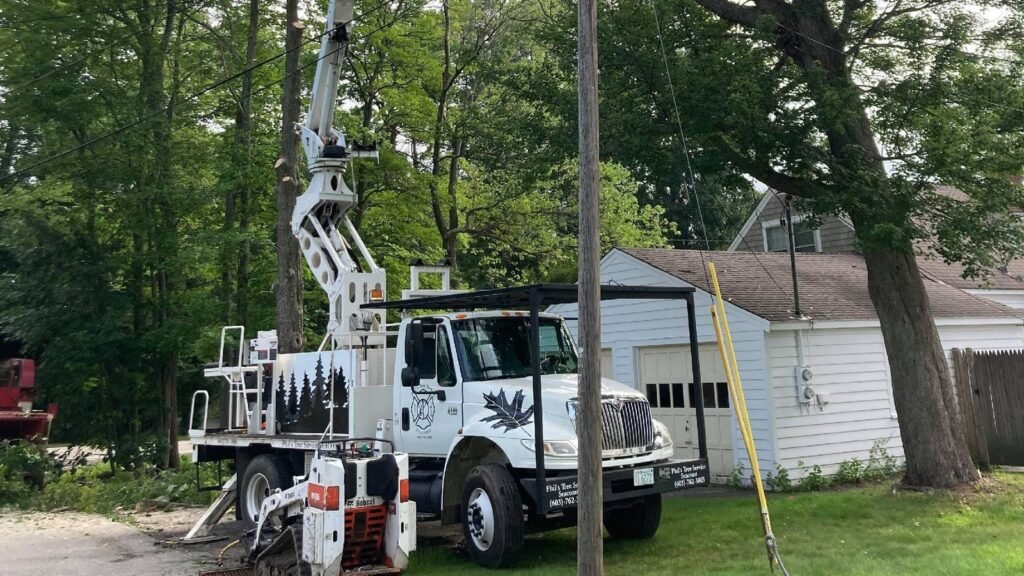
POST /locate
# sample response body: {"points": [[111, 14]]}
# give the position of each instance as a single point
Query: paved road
{"points": [[72, 544]]}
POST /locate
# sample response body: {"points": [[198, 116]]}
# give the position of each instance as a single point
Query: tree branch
{"points": [[732, 12]]}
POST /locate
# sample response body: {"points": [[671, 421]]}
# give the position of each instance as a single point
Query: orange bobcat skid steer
{"points": [[352, 515]]}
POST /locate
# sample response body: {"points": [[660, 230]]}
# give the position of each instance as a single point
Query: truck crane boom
{"points": [[342, 266]]}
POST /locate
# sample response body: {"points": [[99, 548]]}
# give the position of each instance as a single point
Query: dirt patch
{"points": [[73, 544]]}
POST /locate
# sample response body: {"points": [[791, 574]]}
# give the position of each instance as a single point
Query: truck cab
{"points": [[465, 410]]}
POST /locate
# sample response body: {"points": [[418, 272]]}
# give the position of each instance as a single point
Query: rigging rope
{"points": [[722, 333]]}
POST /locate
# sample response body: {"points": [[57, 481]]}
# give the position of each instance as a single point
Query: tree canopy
{"points": [[138, 147]]}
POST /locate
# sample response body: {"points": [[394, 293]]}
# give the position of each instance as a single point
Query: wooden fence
{"points": [[990, 391]]}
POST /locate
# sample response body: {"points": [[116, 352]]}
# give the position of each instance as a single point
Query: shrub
{"points": [[814, 480], [881, 465], [23, 468], [736, 478], [779, 481], [850, 472], [97, 489]]}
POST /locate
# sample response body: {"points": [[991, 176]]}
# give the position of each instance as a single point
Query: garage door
{"points": [[667, 377]]}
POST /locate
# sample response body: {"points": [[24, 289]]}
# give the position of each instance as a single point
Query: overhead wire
{"points": [[99, 49], [684, 142], [196, 95], [187, 99], [16, 24], [721, 325], [960, 51]]}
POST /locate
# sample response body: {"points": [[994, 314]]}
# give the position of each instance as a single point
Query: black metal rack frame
{"points": [[534, 296]]}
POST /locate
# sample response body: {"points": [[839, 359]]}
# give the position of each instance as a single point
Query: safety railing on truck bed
{"points": [[244, 389]]}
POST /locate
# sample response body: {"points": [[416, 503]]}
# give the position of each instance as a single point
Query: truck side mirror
{"points": [[413, 352], [413, 343], [410, 377]]}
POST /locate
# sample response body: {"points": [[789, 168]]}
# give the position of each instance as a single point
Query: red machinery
{"points": [[17, 393]]}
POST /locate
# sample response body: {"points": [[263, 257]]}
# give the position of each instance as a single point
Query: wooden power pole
{"points": [[590, 547]]}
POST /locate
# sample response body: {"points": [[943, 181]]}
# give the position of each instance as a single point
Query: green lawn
{"points": [[848, 532]]}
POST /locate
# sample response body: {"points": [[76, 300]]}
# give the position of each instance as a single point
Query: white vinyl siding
{"points": [[628, 325], [850, 366], [1012, 298]]}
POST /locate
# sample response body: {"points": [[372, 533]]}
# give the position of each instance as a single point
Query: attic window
{"points": [[806, 238]]}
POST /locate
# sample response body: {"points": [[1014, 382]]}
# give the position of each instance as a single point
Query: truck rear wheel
{"points": [[639, 520], [263, 475], [492, 516]]}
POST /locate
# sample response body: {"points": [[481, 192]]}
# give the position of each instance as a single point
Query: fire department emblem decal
{"points": [[423, 411]]}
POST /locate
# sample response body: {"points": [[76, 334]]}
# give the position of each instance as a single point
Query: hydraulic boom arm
{"points": [[350, 279]]}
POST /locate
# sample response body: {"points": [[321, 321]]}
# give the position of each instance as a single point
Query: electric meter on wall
{"points": [[804, 384]]}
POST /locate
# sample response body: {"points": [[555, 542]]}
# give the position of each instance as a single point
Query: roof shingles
{"points": [[832, 286]]}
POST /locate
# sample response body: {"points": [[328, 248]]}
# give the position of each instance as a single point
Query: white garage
{"points": [[666, 376], [849, 408]]}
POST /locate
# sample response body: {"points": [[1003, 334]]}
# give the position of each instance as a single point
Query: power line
{"points": [[162, 110], [255, 91], [686, 147], [196, 95], [16, 24], [847, 54], [765, 268], [88, 55]]}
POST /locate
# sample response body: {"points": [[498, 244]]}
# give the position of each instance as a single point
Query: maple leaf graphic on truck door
{"points": [[509, 415]]}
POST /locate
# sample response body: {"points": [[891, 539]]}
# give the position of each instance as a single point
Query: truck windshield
{"points": [[495, 348]]}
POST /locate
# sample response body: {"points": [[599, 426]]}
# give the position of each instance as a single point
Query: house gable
{"points": [[833, 235]]}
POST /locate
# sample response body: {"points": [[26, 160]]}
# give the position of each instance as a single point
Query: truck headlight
{"points": [[556, 448], [662, 438]]}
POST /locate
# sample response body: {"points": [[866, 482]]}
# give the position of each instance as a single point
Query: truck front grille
{"points": [[625, 424]]}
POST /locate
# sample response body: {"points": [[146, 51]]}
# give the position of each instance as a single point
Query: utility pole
{"points": [[590, 547], [792, 256]]}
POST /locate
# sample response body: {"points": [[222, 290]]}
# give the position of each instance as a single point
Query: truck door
{"points": [[431, 413]]}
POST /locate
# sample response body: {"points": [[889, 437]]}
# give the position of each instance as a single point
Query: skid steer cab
{"points": [[351, 515]]}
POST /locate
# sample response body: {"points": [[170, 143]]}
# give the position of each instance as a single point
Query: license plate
{"points": [[643, 477]]}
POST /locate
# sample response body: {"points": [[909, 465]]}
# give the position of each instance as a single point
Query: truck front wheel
{"points": [[492, 516], [638, 520]]}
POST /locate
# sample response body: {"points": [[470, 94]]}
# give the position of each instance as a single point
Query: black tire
{"points": [[639, 520], [269, 471], [501, 547]]}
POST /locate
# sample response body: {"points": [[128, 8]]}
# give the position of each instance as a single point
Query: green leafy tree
{"points": [[860, 109]]}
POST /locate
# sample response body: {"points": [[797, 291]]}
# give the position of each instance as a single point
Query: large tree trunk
{"points": [[289, 271], [933, 438], [933, 441]]}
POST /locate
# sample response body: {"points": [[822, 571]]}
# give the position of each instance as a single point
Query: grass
{"points": [[857, 531]]}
